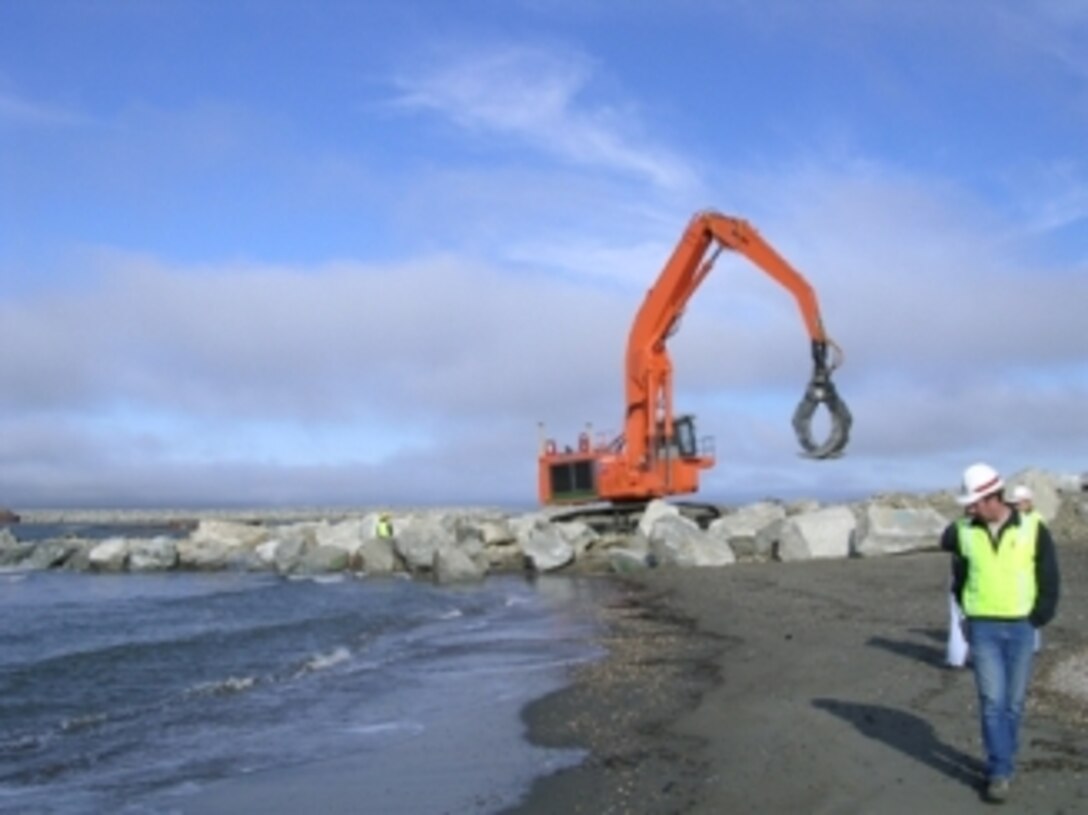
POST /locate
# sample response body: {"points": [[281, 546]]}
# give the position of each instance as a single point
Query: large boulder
{"points": [[289, 553], [109, 556], [497, 532], [217, 544], [322, 558], [580, 535], [153, 555], [824, 533], [51, 554], [655, 510], [220, 534], [547, 549], [623, 560], [455, 565], [346, 535], [741, 529], [12, 551], [376, 556], [678, 541], [418, 538], [891, 530]]}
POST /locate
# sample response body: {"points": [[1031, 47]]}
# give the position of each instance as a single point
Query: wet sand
{"points": [[806, 687]]}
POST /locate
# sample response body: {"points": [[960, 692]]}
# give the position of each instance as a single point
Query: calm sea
{"points": [[147, 693]]}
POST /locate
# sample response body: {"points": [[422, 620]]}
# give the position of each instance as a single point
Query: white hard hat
{"points": [[1022, 492], [979, 480]]}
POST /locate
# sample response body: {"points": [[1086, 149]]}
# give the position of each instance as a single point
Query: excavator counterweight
{"points": [[659, 453]]}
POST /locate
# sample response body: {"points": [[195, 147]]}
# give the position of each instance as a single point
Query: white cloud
{"points": [[543, 99]]}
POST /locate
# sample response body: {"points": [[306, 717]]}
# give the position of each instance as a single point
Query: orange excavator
{"points": [[659, 454]]}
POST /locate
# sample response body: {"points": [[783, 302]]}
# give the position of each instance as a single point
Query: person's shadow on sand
{"points": [[927, 654], [909, 734]]}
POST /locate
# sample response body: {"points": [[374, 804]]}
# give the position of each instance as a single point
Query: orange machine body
{"points": [[659, 454]]}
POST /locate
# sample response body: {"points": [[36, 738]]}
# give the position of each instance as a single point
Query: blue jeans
{"points": [[1002, 654]]}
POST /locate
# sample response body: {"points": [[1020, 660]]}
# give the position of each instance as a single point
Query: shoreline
{"points": [[810, 687], [657, 668]]}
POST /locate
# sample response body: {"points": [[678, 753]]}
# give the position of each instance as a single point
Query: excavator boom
{"points": [[658, 453]]}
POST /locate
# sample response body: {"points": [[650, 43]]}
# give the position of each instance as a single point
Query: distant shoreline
{"points": [[242, 514]]}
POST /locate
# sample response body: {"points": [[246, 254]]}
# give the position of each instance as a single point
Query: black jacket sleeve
{"points": [[1047, 579], [950, 542]]}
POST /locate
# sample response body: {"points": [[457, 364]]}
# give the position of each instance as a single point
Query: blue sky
{"points": [[352, 253]]}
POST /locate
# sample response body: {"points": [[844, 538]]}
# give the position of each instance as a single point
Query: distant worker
{"points": [[1005, 576], [1023, 499], [385, 526]]}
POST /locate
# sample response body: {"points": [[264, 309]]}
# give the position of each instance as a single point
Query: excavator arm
{"points": [[649, 368], [658, 454]]}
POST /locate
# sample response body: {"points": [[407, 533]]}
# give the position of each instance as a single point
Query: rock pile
{"points": [[451, 546]]}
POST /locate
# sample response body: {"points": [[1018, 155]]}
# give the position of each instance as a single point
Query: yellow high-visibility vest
{"points": [[1000, 580]]}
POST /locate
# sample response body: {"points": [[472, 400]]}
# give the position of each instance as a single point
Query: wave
{"points": [[337, 577], [223, 687], [85, 722], [322, 661], [382, 728]]}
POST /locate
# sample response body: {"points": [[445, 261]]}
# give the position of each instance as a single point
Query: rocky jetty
{"points": [[456, 545]]}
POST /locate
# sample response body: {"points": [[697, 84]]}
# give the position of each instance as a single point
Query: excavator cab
{"points": [[683, 444]]}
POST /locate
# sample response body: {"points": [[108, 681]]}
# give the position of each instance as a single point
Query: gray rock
{"points": [[741, 529], [678, 541], [12, 551], [109, 556], [455, 565], [289, 553], [418, 538], [225, 535], [825, 533], [321, 559], [154, 555], [51, 554], [889, 530], [624, 561], [346, 535], [654, 511], [547, 549], [376, 556]]}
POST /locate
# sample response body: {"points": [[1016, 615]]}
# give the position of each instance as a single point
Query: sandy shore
{"points": [[808, 688]]}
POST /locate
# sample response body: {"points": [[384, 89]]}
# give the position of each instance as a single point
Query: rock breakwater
{"points": [[455, 545]]}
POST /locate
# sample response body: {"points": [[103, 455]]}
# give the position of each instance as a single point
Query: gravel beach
{"points": [[817, 687]]}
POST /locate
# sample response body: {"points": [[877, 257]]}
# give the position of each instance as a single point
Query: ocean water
{"points": [[180, 692]]}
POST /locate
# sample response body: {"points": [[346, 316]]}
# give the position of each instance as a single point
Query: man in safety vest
{"points": [[384, 526], [1005, 576]]}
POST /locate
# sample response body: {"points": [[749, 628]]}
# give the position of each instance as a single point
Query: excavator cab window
{"points": [[686, 442], [683, 443]]}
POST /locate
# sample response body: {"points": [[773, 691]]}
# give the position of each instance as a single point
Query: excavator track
{"points": [[623, 519]]}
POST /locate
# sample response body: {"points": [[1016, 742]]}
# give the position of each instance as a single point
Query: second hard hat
{"points": [[1022, 492]]}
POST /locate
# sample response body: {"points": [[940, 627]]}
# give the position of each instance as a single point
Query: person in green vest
{"points": [[1006, 579], [1023, 499], [384, 528]]}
